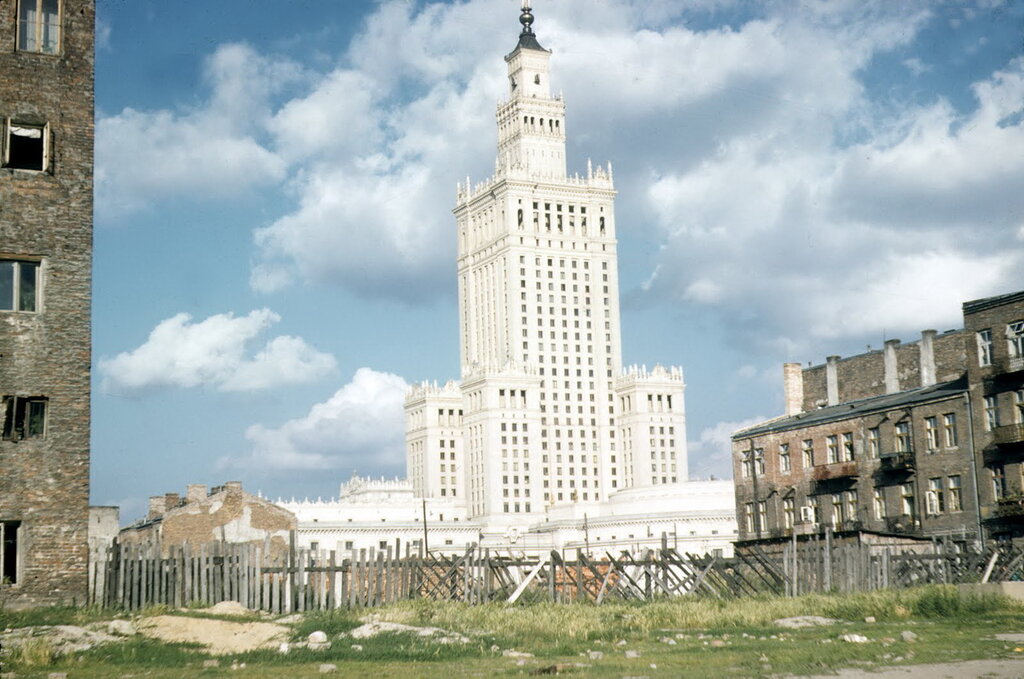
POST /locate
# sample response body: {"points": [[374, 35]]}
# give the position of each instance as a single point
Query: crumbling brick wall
{"points": [[46, 217]]}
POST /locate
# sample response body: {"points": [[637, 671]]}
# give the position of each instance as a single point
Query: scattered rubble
{"points": [[372, 629], [800, 621]]}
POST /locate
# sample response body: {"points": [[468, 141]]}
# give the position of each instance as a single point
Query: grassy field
{"points": [[681, 637]]}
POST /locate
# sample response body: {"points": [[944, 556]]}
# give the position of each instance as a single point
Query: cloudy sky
{"points": [[275, 251]]}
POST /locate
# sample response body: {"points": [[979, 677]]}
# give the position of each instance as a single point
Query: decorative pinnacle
{"points": [[526, 18]]}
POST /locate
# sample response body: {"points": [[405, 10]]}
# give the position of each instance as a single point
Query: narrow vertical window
{"points": [[874, 442], [788, 512], [1015, 338], [785, 464], [936, 496], [931, 430], [832, 446], [991, 413], [949, 429], [807, 449], [9, 534], [904, 440], [954, 487], [984, 347], [878, 502], [998, 481], [848, 447]]}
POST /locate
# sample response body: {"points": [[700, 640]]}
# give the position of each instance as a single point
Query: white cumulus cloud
{"points": [[360, 427], [215, 352], [711, 454]]}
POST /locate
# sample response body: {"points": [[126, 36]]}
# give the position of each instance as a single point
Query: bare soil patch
{"points": [[219, 637]]}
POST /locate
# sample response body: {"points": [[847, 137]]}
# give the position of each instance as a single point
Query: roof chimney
{"points": [[171, 500], [793, 388], [157, 506], [832, 380], [195, 492], [928, 357], [892, 376]]}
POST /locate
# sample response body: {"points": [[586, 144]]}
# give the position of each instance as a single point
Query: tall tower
{"points": [[46, 120], [542, 380]]}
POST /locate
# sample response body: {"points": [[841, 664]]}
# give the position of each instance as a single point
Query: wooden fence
{"points": [[133, 576]]}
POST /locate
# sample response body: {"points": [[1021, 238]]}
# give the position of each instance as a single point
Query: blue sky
{"points": [[275, 254]]}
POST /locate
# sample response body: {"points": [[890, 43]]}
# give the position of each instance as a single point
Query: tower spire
{"points": [[527, 39]]}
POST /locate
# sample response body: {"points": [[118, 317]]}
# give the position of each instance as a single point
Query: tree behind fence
{"points": [[132, 576]]}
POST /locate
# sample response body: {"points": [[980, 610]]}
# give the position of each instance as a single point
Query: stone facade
{"points": [[46, 119], [912, 442], [227, 514], [545, 414]]}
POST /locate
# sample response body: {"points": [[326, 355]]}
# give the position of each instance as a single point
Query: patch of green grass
{"points": [[53, 615], [332, 623]]}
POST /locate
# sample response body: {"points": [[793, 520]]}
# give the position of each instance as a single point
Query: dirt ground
{"points": [[968, 669], [221, 637]]}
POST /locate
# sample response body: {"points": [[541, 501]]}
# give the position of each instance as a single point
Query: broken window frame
{"points": [[10, 125], [10, 553], [25, 417], [19, 300], [39, 25]]}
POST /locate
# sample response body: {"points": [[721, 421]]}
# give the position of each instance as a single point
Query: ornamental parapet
{"points": [[428, 389], [637, 374], [596, 178]]}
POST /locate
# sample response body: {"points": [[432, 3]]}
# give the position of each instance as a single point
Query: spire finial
{"points": [[526, 19]]}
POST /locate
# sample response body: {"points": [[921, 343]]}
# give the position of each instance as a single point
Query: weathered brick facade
{"points": [[912, 441], [997, 393], [46, 94]]}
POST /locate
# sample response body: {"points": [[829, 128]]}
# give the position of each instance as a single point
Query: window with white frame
{"points": [[848, 447], [39, 26], [9, 552], [837, 510], [851, 505], [762, 514], [788, 512], [832, 446], [931, 430], [746, 464], [19, 285], [991, 413], [785, 463], [1015, 338], [807, 449], [936, 496], [998, 481], [904, 440], [984, 347], [949, 429], [878, 502], [748, 515], [874, 442], [759, 461], [26, 146], [955, 491], [907, 497]]}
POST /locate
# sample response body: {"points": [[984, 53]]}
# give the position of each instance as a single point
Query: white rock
{"points": [[122, 628], [632, 654], [285, 648], [853, 638], [328, 668], [804, 621]]}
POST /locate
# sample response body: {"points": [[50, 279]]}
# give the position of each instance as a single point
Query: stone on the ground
{"points": [[317, 641], [328, 668], [853, 638], [512, 653], [717, 643], [668, 640], [285, 648], [213, 662], [228, 608], [595, 655], [122, 628], [908, 636], [869, 619], [357, 647], [799, 621], [632, 654], [620, 642], [375, 627], [57, 675]]}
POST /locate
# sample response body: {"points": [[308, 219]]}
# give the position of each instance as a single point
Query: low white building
{"points": [[692, 516]]}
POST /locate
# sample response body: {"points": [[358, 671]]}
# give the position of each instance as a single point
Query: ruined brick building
{"points": [[905, 444], [46, 131]]}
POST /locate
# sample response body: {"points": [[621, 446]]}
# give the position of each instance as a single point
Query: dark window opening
{"points": [[9, 552], [24, 417], [26, 147]]}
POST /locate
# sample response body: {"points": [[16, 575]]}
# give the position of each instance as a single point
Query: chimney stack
{"points": [[171, 500], [832, 380], [892, 376], [793, 387], [157, 506], [195, 492], [928, 377]]}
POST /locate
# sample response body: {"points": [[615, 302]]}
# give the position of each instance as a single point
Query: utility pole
{"points": [[425, 547]]}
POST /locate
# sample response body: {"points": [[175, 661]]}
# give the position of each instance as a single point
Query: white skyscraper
{"points": [[544, 414]]}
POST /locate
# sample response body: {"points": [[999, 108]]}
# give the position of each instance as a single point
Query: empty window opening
{"points": [[24, 417], [26, 147], [39, 26], [19, 285], [9, 552]]}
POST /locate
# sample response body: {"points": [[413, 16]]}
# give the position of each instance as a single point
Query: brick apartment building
{"points": [[897, 446], [46, 138]]}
